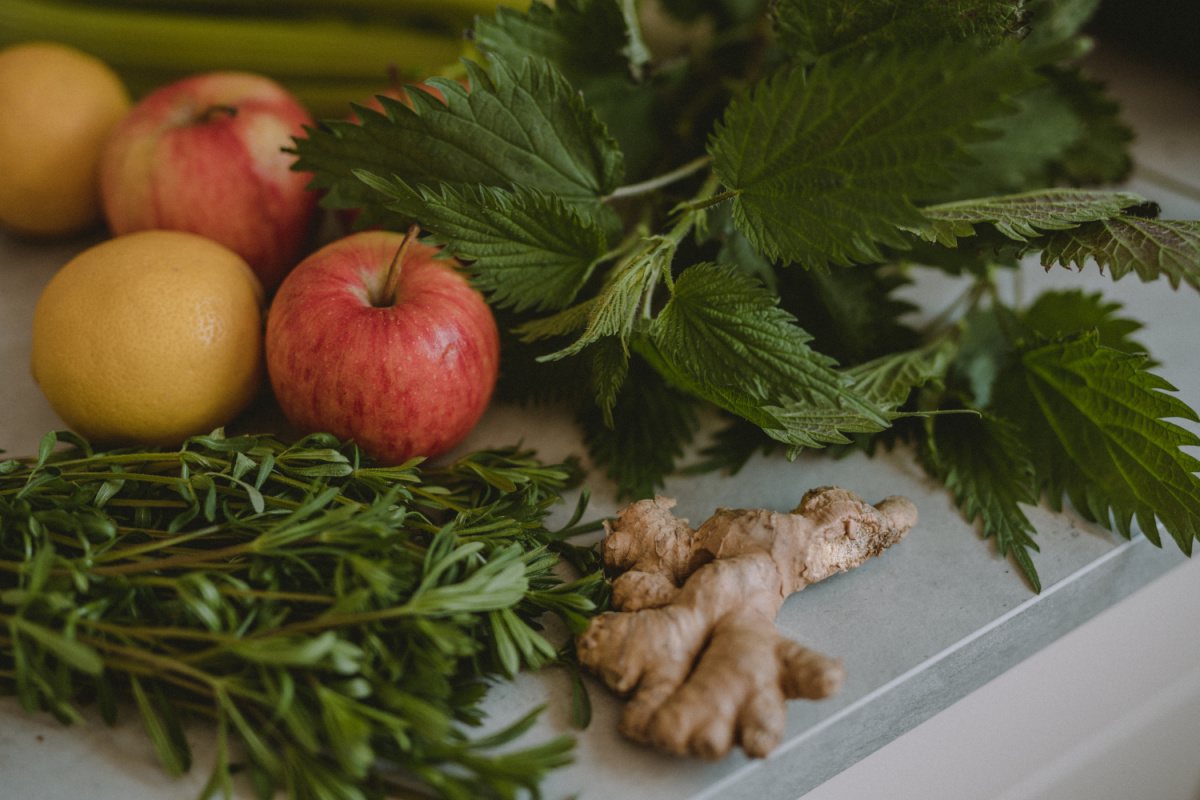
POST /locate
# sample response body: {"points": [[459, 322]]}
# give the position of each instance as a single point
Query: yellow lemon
{"points": [[149, 338], [57, 106]]}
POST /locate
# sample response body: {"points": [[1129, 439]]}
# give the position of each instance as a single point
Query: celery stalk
{"points": [[154, 46], [453, 11]]}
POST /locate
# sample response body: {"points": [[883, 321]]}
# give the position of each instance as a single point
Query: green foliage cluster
{"points": [[337, 622], [717, 203]]}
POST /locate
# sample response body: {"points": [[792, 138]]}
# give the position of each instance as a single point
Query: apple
{"points": [[376, 339], [205, 154]]}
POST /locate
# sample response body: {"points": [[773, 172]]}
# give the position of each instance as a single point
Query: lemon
{"points": [[149, 338], [57, 107]]}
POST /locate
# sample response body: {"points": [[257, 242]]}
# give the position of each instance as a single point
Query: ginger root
{"points": [[693, 640]]}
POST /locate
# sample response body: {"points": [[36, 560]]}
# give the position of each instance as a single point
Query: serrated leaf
{"points": [[1058, 20], [609, 368], [825, 164], [618, 307], [1100, 153], [801, 426], [853, 315], [652, 422], [582, 38], [986, 347], [722, 337], [528, 250], [1022, 216], [887, 381], [1149, 247], [588, 41], [722, 327], [516, 126], [1067, 131], [809, 29], [1101, 436], [1055, 314], [796, 424], [985, 464]]}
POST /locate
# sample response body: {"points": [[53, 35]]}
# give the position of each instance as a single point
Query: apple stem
{"points": [[212, 112], [393, 275]]}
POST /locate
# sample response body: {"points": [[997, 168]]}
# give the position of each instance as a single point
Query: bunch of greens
{"points": [[337, 621], [688, 202]]}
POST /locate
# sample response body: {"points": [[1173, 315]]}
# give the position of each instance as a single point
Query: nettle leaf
{"points": [[591, 44], [796, 424], [810, 29], [584, 39], [853, 315], [616, 309], [609, 368], [517, 126], [1058, 20], [1152, 248], [1024, 146], [724, 335], [1022, 216], [530, 250], [888, 380], [985, 463], [1055, 314], [1100, 153], [643, 435], [1103, 439], [825, 163]]}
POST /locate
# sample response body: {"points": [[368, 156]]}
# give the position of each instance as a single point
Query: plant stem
{"points": [[388, 296], [666, 179], [191, 560]]}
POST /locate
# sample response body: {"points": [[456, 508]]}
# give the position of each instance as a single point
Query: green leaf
{"points": [[516, 126], [72, 652], [986, 465], [1100, 152], [1056, 314], [583, 39], [824, 165], [651, 423], [162, 726], [1149, 247], [1067, 131], [887, 381], [529, 250], [1103, 439], [800, 425], [853, 315], [589, 42], [809, 29], [1023, 216], [987, 345], [619, 306], [1058, 20], [609, 368], [724, 330]]}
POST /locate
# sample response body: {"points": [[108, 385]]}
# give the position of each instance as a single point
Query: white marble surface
{"points": [[924, 626]]}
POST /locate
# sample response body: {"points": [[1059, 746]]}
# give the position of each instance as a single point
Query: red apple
{"points": [[373, 338], [205, 154]]}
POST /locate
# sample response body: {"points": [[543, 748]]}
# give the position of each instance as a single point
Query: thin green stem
{"points": [[661, 181], [717, 199], [187, 560]]}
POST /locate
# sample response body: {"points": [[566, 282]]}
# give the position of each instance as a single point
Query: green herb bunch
{"points": [[682, 203], [338, 622]]}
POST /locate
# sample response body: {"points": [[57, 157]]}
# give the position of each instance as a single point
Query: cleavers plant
{"points": [[337, 622], [688, 202]]}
